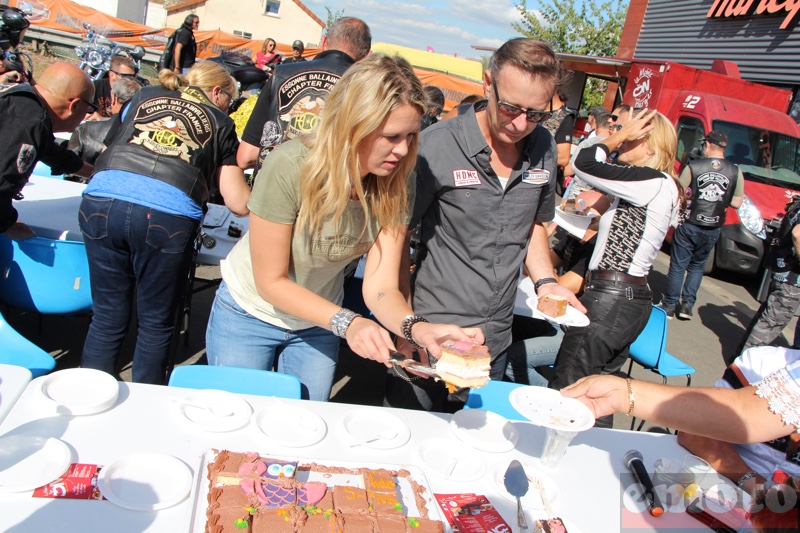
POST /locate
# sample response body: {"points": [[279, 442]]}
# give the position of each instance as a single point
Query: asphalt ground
{"points": [[726, 303]]}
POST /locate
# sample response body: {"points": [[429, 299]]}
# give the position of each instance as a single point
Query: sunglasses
{"points": [[513, 111], [615, 127], [90, 107], [121, 75]]}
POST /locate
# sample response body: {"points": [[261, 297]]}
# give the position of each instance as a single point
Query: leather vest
{"points": [[711, 191], [171, 136]]}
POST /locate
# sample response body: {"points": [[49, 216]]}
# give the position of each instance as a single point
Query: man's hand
{"points": [[19, 231], [560, 290], [12, 76]]}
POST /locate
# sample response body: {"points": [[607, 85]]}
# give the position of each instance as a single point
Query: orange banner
{"points": [[453, 87]]}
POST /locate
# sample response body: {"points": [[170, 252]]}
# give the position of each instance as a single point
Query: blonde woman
{"points": [[141, 212], [647, 201], [318, 203], [268, 57]]}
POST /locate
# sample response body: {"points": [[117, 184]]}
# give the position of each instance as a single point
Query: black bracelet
{"points": [[544, 281], [408, 323]]}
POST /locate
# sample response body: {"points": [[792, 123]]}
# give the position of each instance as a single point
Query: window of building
{"points": [[272, 7], [243, 34]]}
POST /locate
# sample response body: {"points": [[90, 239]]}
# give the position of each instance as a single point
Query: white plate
{"points": [[548, 408], [572, 317], [145, 481], [360, 424], [81, 391], [532, 498], [484, 430], [288, 425], [451, 459], [205, 419], [27, 463], [573, 223]]}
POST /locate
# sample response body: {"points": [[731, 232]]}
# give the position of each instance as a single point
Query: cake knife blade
{"points": [[406, 362]]}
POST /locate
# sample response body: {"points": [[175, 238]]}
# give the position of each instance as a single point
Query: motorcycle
{"points": [[12, 28], [249, 77], [96, 53]]}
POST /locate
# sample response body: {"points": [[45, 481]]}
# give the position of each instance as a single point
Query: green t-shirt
{"points": [[318, 267]]}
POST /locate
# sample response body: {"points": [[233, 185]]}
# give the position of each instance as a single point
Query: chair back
{"points": [[45, 275], [652, 341], [237, 380], [18, 351], [494, 397]]}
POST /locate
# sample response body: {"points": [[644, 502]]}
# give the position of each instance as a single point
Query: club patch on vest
{"points": [[536, 176], [25, 158], [715, 164], [465, 178], [172, 127], [301, 101]]}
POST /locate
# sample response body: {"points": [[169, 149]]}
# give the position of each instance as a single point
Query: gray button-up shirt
{"points": [[474, 233]]}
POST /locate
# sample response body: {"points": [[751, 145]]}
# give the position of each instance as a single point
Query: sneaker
{"points": [[684, 311], [669, 309]]}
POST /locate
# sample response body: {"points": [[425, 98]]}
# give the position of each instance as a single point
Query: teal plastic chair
{"points": [[238, 380], [45, 275], [494, 397], [18, 351]]}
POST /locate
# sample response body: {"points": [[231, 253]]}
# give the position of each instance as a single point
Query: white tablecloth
{"points": [[144, 420], [13, 380]]}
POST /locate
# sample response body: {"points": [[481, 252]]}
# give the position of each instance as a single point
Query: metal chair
{"points": [[494, 397], [45, 275], [650, 351], [19, 351], [238, 380]]}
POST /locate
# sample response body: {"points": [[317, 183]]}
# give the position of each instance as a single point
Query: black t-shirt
{"points": [[290, 60], [102, 96], [564, 131], [189, 51]]}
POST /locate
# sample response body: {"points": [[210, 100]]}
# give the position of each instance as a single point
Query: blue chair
{"points": [[494, 397], [45, 275], [238, 380], [44, 170], [19, 351], [650, 351]]}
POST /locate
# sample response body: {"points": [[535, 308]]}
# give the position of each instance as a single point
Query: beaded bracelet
{"points": [[631, 397], [543, 281], [408, 323]]}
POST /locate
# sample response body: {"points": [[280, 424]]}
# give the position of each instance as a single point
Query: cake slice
{"points": [[552, 305], [463, 364], [549, 525]]}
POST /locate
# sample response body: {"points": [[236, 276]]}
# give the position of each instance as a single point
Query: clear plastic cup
{"points": [[555, 446], [672, 479]]}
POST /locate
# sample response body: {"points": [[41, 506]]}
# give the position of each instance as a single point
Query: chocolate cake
{"points": [[463, 364], [552, 305], [549, 525]]}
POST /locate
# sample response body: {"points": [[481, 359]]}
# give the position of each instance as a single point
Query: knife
{"points": [[516, 482], [405, 362]]}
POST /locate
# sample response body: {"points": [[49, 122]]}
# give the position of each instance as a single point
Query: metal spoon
{"points": [[214, 410], [386, 434]]}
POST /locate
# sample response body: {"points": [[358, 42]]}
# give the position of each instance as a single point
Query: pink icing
{"points": [[311, 493], [248, 486], [250, 469], [462, 346]]}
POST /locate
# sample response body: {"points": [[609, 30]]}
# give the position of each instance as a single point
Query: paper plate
{"points": [[572, 317], [145, 481], [532, 498], [451, 459], [288, 425], [484, 430], [361, 424], [548, 408], [208, 421], [81, 391], [569, 524], [27, 463]]}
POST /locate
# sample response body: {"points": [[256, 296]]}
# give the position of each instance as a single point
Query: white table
{"points": [[144, 420], [13, 380], [51, 208]]}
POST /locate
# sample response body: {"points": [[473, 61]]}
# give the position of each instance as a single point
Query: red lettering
{"points": [[737, 8]]}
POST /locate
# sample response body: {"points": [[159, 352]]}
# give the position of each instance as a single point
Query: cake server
{"points": [[406, 362], [516, 482]]}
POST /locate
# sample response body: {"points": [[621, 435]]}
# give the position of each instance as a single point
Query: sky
{"points": [[448, 26]]}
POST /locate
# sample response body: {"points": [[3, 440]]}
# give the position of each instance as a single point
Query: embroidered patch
{"points": [[536, 176], [464, 178], [25, 158], [716, 165]]}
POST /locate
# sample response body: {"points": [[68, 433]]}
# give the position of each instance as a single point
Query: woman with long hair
{"points": [[141, 212], [318, 203], [268, 57], [647, 201]]}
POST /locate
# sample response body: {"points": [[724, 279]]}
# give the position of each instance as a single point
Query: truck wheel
{"points": [[711, 261]]}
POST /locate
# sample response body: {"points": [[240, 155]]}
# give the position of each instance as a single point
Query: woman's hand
{"points": [[426, 335], [369, 340], [604, 395], [638, 126]]}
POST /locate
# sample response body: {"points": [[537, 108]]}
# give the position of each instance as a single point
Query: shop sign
{"points": [[738, 8]]}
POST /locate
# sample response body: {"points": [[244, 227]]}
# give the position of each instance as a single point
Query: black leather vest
{"points": [[170, 136], [711, 191]]}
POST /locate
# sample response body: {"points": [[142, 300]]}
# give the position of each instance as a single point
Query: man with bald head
{"points": [[29, 115]]}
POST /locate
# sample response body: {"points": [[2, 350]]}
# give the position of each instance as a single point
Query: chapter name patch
{"points": [[464, 178], [536, 176]]}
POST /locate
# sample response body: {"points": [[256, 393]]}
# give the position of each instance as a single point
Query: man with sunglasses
{"points": [[28, 117], [485, 184], [121, 67]]}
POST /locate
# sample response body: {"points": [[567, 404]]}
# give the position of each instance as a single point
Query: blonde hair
{"points": [[356, 107], [206, 75], [664, 142], [265, 43]]}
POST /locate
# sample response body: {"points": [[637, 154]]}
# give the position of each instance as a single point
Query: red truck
{"points": [[762, 139]]}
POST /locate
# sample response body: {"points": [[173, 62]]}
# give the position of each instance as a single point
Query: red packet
{"points": [[78, 483], [471, 513]]}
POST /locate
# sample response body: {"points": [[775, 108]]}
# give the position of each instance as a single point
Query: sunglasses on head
{"points": [[513, 111]]}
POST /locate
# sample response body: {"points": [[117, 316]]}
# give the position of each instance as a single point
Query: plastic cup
{"points": [[673, 479], [555, 446]]}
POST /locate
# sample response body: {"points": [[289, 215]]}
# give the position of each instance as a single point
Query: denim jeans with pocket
{"points": [[691, 246], [236, 338], [136, 255]]}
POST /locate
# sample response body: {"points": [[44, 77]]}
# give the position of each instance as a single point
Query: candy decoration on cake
{"points": [[277, 469], [241, 523], [413, 522], [255, 469], [273, 495], [311, 493]]}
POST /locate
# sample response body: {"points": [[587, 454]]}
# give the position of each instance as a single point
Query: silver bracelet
{"points": [[745, 478], [341, 321]]}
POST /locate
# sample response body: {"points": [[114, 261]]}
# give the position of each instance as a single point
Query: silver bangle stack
{"points": [[341, 321]]}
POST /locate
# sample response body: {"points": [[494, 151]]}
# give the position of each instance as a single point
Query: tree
{"points": [[584, 28], [333, 16]]}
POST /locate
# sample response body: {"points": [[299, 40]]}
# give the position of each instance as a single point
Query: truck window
{"points": [[763, 155], [690, 131]]}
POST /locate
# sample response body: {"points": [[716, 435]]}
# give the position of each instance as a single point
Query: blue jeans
{"points": [[525, 355], [236, 338], [136, 255], [691, 246]]}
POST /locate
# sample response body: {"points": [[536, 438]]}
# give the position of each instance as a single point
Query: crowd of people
{"points": [[479, 188]]}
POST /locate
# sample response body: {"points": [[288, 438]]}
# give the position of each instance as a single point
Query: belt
{"points": [[613, 275]]}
